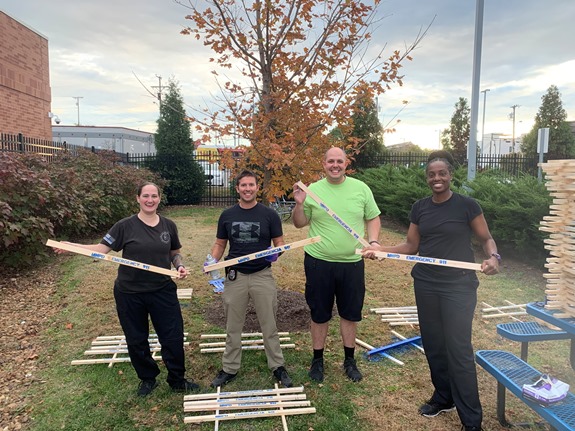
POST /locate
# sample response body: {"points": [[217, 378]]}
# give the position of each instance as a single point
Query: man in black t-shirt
{"points": [[249, 227]]}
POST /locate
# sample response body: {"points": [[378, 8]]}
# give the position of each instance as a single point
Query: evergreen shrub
{"points": [[513, 208]]}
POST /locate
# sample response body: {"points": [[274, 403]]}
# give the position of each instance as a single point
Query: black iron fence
{"points": [[220, 190]]}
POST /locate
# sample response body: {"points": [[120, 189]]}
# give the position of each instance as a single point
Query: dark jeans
{"points": [[445, 314], [164, 310]]}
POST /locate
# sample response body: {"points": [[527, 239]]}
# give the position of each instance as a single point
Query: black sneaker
{"points": [[468, 428], [146, 387], [316, 370], [351, 370], [432, 408], [222, 378], [282, 377], [185, 386]]}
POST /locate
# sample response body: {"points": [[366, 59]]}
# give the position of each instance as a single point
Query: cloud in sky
{"points": [[98, 48]]}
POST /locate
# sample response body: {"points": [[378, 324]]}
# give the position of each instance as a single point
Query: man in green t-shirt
{"points": [[334, 273]]}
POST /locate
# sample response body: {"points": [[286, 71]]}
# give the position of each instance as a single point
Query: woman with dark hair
{"points": [[151, 238], [441, 226]]}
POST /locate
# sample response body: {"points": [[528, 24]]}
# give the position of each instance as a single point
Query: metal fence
{"points": [[220, 190]]}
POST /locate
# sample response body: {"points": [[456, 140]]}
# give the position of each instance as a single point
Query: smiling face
{"points": [[247, 187], [334, 164], [439, 176], [149, 198]]}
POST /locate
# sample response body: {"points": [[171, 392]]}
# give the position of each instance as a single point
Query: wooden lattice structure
{"points": [[250, 341], [396, 316], [223, 406], [112, 349], [509, 310], [560, 224]]}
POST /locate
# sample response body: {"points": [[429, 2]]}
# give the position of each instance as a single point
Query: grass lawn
{"points": [[97, 397]]}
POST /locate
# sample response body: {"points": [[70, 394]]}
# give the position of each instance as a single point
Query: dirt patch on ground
{"points": [[292, 315]]}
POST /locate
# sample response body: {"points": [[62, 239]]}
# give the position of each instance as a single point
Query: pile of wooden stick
{"points": [[115, 350], [278, 402], [560, 291]]}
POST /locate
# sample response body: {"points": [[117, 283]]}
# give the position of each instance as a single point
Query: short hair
{"points": [[331, 148], [246, 173], [148, 183], [441, 156]]}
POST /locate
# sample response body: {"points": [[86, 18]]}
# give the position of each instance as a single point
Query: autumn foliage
{"points": [[301, 65]]}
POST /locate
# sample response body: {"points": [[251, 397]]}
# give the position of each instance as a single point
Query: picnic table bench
{"points": [[526, 332], [512, 373]]}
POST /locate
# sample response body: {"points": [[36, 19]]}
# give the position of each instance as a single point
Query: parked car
{"points": [[214, 175]]}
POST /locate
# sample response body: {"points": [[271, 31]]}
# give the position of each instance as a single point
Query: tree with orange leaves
{"points": [[302, 64]]}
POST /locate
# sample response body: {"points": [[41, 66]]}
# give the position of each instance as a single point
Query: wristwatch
{"points": [[497, 256]]}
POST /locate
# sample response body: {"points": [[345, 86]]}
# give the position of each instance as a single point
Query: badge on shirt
{"points": [[232, 274]]}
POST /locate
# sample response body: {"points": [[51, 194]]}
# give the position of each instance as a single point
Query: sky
{"points": [[106, 57]]}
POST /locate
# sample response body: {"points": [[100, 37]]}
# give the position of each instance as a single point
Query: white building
{"points": [[119, 139], [499, 144]]}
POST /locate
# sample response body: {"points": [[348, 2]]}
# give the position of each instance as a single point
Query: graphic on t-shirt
{"points": [[246, 231], [165, 237], [109, 239]]}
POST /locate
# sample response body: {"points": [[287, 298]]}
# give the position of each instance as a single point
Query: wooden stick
{"points": [[278, 397], [248, 415], [401, 337], [368, 347], [249, 347], [193, 407], [505, 307], [263, 253], [115, 259], [248, 334], [252, 393], [217, 421], [426, 260], [284, 421], [244, 342], [333, 215]]}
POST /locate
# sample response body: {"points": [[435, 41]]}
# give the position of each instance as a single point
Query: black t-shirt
{"points": [[249, 231], [445, 233], [146, 244]]}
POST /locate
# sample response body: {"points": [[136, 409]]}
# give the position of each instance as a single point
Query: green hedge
{"points": [[69, 197], [513, 208]]}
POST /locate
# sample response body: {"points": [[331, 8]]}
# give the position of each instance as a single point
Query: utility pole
{"points": [[483, 123], [512, 115], [475, 79], [159, 87], [78, 105]]}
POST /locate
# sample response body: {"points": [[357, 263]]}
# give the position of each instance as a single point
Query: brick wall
{"points": [[25, 95]]}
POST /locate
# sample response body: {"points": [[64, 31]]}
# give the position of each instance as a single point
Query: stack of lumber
{"points": [[560, 224]]}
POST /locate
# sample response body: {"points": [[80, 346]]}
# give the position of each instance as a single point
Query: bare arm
{"points": [[178, 262], [218, 248], [278, 241], [298, 217], [479, 226], [409, 246], [373, 227]]}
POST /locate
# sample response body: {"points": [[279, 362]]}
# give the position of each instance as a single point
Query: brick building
{"points": [[25, 94]]}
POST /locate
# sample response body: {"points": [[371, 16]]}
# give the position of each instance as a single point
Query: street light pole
{"points": [[78, 105], [513, 117], [483, 123]]}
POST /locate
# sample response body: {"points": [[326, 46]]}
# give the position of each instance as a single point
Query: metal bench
{"points": [[512, 373], [525, 332]]}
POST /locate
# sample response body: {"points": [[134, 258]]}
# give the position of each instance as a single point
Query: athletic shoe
{"points": [[282, 376], [468, 428], [146, 387], [316, 370], [351, 370], [222, 378], [432, 408], [185, 386]]}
